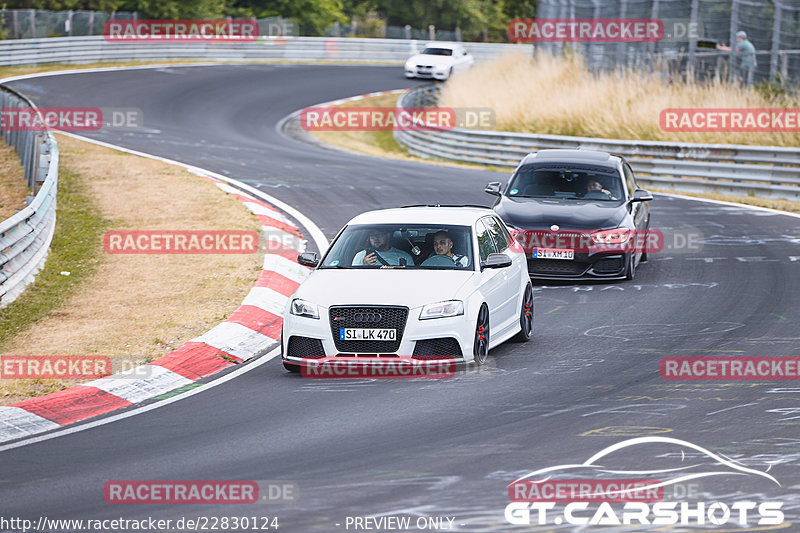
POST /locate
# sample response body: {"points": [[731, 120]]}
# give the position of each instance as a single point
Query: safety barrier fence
{"points": [[25, 236], [764, 171]]}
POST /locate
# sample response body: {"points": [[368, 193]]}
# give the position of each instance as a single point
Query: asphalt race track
{"points": [[589, 378]]}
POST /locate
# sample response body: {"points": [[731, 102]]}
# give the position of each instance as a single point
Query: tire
{"points": [[526, 316], [480, 346], [294, 369], [630, 271]]}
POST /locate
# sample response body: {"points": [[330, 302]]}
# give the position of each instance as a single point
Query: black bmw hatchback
{"points": [[578, 214]]}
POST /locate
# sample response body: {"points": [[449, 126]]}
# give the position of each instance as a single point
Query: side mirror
{"points": [[493, 188], [641, 195], [496, 261], [308, 259]]}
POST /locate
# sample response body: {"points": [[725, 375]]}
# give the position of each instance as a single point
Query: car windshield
{"points": [[437, 52], [402, 246], [570, 182]]}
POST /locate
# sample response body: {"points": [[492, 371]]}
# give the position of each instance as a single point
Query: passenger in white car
{"points": [[380, 248]]}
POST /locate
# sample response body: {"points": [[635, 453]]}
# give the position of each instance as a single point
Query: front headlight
{"points": [[442, 309], [612, 236], [303, 308]]}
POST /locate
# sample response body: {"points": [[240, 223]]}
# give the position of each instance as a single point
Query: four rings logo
{"points": [[367, 317], [582, 494]]}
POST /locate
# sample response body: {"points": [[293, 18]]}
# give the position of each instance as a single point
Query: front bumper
{"points": [[440, 337], [610, 266], [421, 71]]}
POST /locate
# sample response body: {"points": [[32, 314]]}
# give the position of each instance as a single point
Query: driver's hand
{"points": [[370, 259], [606, 191]]}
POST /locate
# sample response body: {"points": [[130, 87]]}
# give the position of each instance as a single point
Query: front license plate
{"points": [[553, 253], [367, 334]]}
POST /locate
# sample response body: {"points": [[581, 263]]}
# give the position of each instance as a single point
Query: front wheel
{"points": [[480, 350], [630, 271], [526, 316]]}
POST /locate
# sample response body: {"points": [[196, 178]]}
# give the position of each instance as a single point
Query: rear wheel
{"points": [[526, 316], [480, 350]]}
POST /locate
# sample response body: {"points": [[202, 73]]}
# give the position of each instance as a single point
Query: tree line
{"points": [[472, 17]]}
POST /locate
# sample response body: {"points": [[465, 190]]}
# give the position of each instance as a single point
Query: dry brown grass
{"points": [[559, 96], [13, 188], [136, 308]]}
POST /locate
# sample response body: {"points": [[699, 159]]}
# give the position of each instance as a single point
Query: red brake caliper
{"points": [[480, 332]]}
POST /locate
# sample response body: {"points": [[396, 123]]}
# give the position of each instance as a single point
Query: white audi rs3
{"points": [[420, 282]]}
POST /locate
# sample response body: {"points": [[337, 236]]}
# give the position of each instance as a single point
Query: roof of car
{"points": [[591, 157], [436, 44], [457, 215]]}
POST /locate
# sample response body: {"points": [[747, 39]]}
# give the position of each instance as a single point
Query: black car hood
{"points": [[536, 213]]}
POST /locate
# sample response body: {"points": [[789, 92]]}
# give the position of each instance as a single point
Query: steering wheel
{"points": [[597, 195], [439, 260]]}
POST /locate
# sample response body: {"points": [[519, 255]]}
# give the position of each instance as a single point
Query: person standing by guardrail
{"points": [[746, 57]]}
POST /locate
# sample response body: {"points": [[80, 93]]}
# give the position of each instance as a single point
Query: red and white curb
{"points": [[252, 329]]}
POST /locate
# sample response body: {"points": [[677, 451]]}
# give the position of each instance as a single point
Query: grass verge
{"points": [[132, 308], [382, 144], [13, 188]]}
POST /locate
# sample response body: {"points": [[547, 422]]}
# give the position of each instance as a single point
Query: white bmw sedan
{"points": [[439, 61], [411, 282]]}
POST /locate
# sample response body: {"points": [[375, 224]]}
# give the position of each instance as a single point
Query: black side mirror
{"points": [[496, 261], [493, 188], [641, 195], [308, 259]]}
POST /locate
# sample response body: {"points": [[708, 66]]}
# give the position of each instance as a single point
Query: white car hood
{"points": [[411, 288], [436, 61]]}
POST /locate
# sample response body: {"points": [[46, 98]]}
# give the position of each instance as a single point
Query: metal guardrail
{"points": [[25, 237], [764, 171], [93, 49]]}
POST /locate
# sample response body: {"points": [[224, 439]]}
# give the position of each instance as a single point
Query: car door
{"points": [[511, 275], [640, 211], [492, 280]]}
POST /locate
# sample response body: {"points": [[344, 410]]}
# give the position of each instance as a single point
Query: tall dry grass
{"points": [[559, 96]]}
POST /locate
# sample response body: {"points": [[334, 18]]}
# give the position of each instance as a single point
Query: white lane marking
{"points": [[236, 340], [731, 204], [266, 299], [285, 267], [16, 422], [113, 418], [141, 383]]}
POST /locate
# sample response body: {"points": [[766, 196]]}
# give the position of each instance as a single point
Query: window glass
{"points": [[486, 245], [630, 182], [501, 240]]}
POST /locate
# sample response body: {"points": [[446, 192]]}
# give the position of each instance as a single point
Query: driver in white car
{"points": [[380, 243], [443, 245]]}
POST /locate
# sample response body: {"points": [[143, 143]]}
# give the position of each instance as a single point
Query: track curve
{"points": [[437, 448]]}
